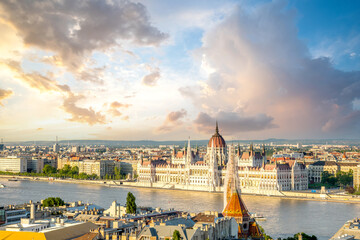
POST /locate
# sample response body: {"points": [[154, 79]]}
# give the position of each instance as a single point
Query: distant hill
{"points": [[124, 143]]}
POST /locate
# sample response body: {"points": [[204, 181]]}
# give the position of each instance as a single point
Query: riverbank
{"points": [[291, 195]]}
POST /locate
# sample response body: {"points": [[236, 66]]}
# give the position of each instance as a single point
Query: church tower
{"points": [[234, 205]]}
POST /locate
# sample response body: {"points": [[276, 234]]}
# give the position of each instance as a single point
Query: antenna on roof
{"points": [[56, 139]]}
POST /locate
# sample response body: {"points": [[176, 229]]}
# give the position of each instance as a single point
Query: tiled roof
{"points": [[235, 207], [201, 217]]}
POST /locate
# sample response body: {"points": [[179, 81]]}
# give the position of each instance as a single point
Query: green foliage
{"points": [[74, 170], [117, 173], [345, 178], [53, 202], [350, 190], [304, 237], [330, 181], [49, 169], [266, 237], [356, 191], [130, 203], [176, 235], [65, 170], [327, 178]]}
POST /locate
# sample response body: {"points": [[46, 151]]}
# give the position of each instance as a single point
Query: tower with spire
{"points": [[213, 171], [189, 158], [234, 206]]}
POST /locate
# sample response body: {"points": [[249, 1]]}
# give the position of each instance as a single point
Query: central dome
{"points": [[217, 139]]}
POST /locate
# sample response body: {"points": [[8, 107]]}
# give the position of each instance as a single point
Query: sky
{"points": [[167, 70]]}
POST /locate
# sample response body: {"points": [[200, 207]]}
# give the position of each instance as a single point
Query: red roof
{"points": [[217, 140], [235, 207]]}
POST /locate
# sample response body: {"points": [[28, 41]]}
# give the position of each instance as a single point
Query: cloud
{"points": [[39, 129], [73, 30], [34, 79], [79, 114], [45, 84], [231, 123], [173, 120], [151, 79], [262, 72], [5, 94], [114, 106]]}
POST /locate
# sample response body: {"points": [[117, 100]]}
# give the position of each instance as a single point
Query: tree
{"points": [[49, 169], [117, 172], [350, 190], [53, 202], [65, 170], [327, 178], [266, 237], [176, 235], [130, 203], [304, 237], [345, 178], [74, 170]]}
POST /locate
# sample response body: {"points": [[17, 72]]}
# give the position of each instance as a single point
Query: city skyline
{"points": [[159, 70]]}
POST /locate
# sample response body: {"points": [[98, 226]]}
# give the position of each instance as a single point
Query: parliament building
{"points": [[188, 171]]}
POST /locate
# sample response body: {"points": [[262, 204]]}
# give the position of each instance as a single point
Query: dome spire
{"points": [[217, 128]]}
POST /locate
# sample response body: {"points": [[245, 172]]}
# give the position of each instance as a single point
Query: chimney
{"points": [[32, 210]]}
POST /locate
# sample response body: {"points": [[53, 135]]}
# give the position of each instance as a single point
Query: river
{"points": [[284, 217]]}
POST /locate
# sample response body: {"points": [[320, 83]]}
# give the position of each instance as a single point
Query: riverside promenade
{"points": [[295, 195]]}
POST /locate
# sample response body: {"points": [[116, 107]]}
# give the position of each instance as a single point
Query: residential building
{"points": [[99, 167], [35, 164], [349, 231], [13, 164], [115, 210], [57, 228], [317, 168], [356, 176]]}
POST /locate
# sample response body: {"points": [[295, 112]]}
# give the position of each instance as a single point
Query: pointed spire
{"points": [[188, 152], [251, 149], [264, 151], [239, 150], [217, 128]]}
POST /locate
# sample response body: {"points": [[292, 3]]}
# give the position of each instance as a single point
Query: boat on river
{"points": [[258, 217], [2, 185]]}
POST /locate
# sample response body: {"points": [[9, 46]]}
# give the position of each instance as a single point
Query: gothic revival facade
{"points": [[188, 171]]}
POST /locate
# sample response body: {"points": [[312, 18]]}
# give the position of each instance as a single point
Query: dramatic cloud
{"points": [[114, 106], [151, 79], [173, 120], [82, 115], [260, 72], [34, 79], [45, 84], [232, 122], [5, 94], [75, 29]]}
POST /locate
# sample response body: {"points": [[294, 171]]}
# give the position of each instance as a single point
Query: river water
{"points": [[284, 217]]}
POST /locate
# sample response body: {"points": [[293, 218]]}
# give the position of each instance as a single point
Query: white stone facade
{"points": [[208, 175]]}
